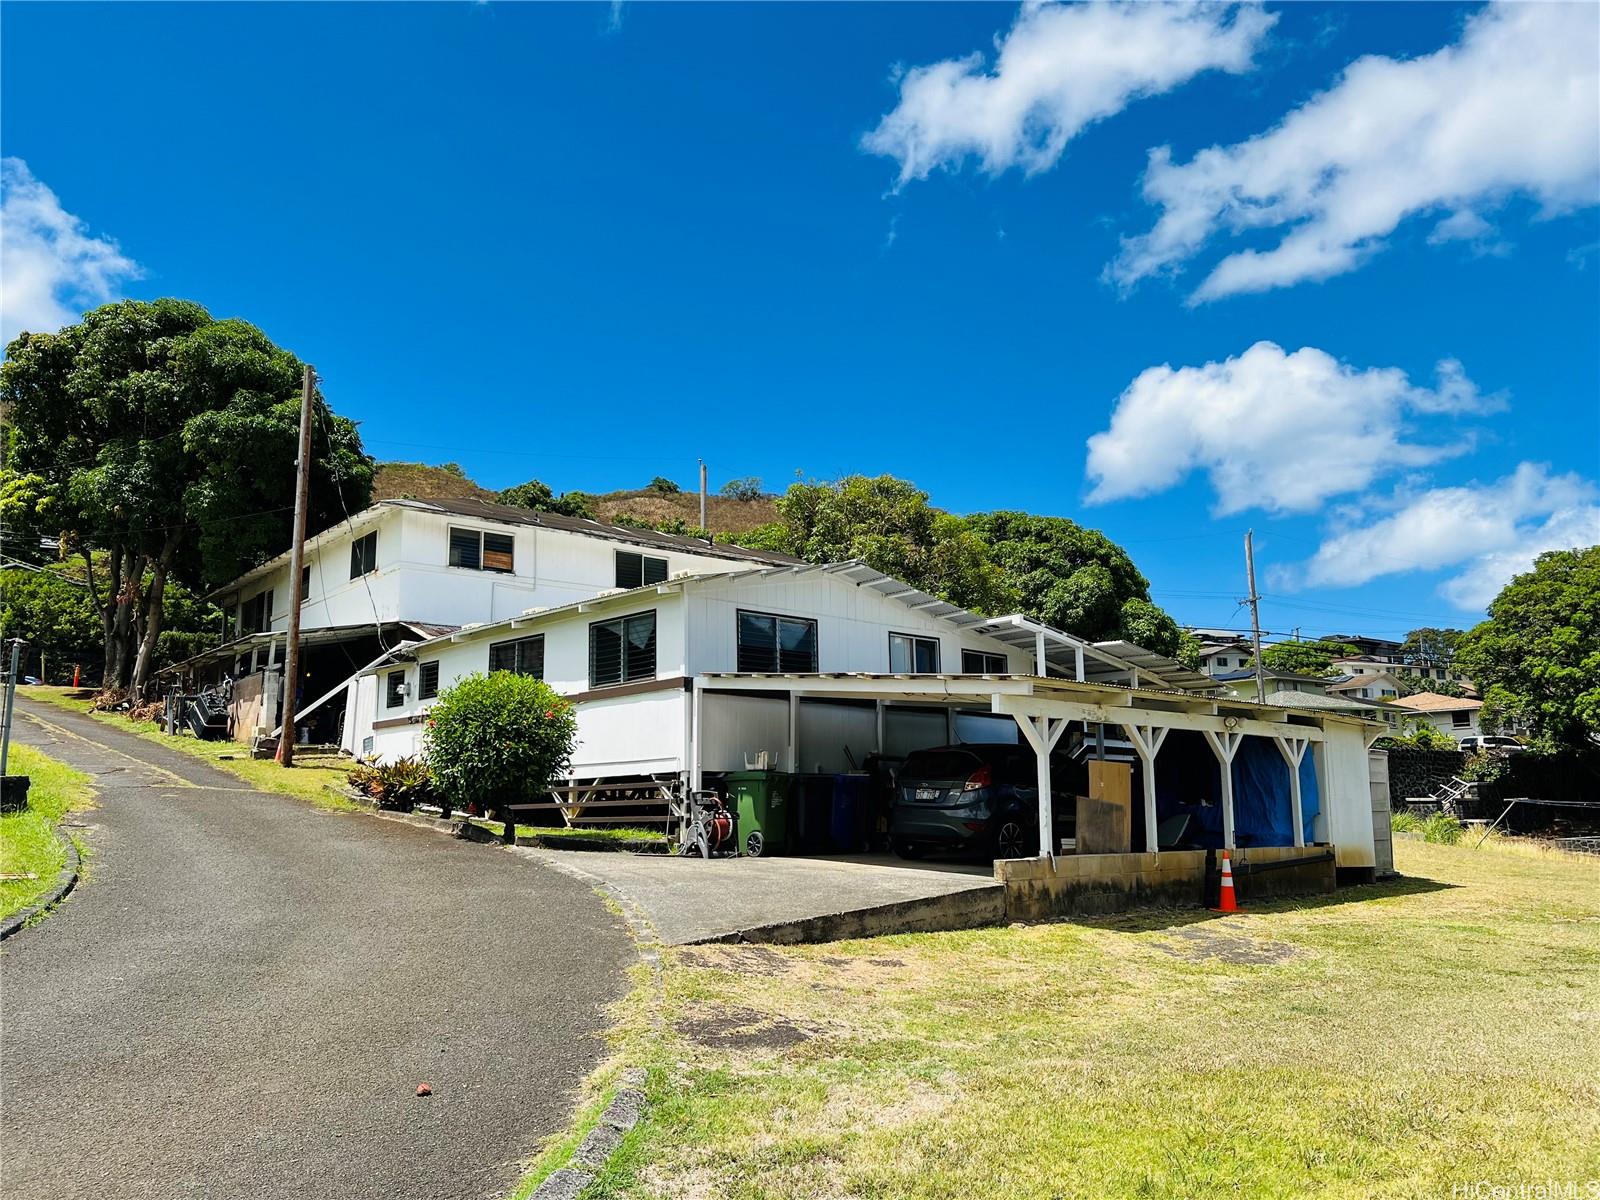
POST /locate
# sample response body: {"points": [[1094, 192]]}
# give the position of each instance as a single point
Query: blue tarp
{"points": [[1188, 781]]}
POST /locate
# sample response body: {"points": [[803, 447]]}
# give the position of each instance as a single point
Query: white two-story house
{"points": [[404, 570]]}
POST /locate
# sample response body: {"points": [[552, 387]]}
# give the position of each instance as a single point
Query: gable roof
{"points": [[1435, 702]]}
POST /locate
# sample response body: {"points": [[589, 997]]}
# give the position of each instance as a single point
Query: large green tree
{"points": [[52, 613], [1076, 579], [1537, 657], [889, 524], [537, 496], [167, 440]]}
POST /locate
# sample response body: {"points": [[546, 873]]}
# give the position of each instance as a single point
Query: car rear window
{"points": [[940, 764]]}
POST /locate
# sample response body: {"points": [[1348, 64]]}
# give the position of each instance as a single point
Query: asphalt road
{"points": [[243, 995]]}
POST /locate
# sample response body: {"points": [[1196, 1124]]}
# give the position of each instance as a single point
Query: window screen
{"points": [[525, 656], [364, 555], [913, 655], [395, 689], [638, 570], [428, 680], [623, 650], [769, 644], [978, 662]]}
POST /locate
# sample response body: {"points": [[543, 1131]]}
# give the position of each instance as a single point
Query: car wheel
{"points": [[1011, 840], [755, 845], [908, 850]]}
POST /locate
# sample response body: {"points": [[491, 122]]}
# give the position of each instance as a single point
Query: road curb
{"points": [[600, 1144], [66, 880]]}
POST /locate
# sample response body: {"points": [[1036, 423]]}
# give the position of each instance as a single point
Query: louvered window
{"points": [[770, 643], [395, 689], [364, 555], [476, 550], [622, 650], [977, 662], [525, 656], [428, 680], [639, 570]]}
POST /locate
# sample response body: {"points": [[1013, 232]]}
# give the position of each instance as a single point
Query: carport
{"points": [[1044, 708]]}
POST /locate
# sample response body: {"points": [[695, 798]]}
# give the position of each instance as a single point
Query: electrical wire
{"points": [[333, 471]]}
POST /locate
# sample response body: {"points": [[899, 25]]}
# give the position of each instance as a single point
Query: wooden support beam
{"points": [[1294, 750], [1042, 733], [1225, 745]]}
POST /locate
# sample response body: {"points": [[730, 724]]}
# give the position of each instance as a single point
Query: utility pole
{"points": [[302, 497], [1254, 601], [10, 701], [703, 494]]}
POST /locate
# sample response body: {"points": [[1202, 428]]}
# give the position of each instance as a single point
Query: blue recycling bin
{"points": [[847, 824]]}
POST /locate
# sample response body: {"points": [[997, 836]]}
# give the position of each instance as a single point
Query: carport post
{"points": [[1225, 746], [794, 732], [1043, 738], [1293, 750], [1147, 741]]}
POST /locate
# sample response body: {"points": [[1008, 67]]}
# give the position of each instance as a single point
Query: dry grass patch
{"points": [[1390, 1040]]}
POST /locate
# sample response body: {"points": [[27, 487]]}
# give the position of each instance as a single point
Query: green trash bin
{"points": [[761, 798]]}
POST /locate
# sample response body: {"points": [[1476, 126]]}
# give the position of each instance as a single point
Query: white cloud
{"points": [[1273, 430], [50, 268], [1059, 69], [1496, 529], [1513, 108], [1481, 582]]}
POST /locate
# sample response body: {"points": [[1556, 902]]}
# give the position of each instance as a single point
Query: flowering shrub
{"points": [[498, 739], [399, 785]]}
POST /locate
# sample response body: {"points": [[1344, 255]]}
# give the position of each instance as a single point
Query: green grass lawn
{"points": [[597, 833], [1389, 1040], [28, 842], [307, 780]]}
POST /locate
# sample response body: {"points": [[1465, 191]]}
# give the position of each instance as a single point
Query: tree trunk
{"points": [[109, 610], [122, 625], [152, 608]]}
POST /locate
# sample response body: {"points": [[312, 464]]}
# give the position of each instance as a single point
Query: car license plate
{"points": [[927, 793]]}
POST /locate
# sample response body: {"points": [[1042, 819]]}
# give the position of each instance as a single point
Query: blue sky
{"points": [[591, 247]]}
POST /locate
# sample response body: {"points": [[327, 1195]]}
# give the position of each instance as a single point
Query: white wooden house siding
{"points": [[696, 633], [414, 581]]}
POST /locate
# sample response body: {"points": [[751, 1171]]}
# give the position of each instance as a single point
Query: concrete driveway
{"points": [[787, 900], [243, 995]]}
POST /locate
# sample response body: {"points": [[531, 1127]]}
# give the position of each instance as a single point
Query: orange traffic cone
{"points": [[1226, 900]]}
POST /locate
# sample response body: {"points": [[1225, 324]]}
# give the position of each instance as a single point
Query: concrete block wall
{"points": [[1093, 884], [1414, 772]]}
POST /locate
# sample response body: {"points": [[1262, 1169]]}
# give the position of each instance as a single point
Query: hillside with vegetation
{"points": [[418, 481]]}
